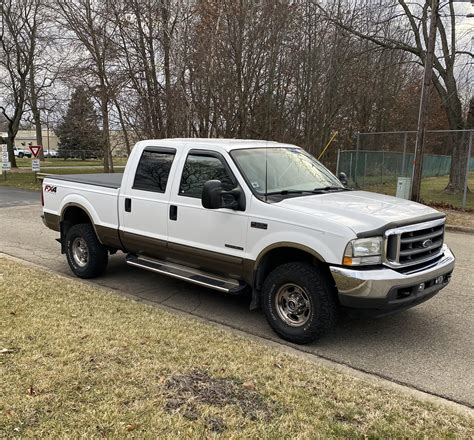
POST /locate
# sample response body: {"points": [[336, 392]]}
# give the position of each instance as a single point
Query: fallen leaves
{"points": [[249, 386], [131, 427]]}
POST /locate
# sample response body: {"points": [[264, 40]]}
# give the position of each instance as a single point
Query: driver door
{"points": [[209, 239]]}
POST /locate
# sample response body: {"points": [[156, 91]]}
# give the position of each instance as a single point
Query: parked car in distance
{"points": [[21, 152], [51, 154], [264, 218]]}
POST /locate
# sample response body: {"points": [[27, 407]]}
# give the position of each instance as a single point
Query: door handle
{"points": [[173, 212], [128, 205]]}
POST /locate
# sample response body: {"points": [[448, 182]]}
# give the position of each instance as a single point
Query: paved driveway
{"points": [[429, 347]]}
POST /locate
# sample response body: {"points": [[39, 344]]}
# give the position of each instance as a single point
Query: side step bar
{"points": [[227, 285]]}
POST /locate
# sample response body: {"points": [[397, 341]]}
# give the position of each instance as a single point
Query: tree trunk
{"points": [[12, 130], [11, 154], [457, 173], [165, 12], [453, 107], [124, 127], [108, 164]]}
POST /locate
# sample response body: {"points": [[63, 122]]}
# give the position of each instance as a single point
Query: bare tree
{"points": [[46, 67], [18, 35], [90, 23], [409, 33]]}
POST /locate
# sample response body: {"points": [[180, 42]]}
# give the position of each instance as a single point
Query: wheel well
{"points": [[279, 256], [73, 215]]}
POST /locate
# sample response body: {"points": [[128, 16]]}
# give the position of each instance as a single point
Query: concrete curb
{"points": [[282, 346], [463, 229]]}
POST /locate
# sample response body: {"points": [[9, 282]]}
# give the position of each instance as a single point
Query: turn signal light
{"points": [[347, 261]]}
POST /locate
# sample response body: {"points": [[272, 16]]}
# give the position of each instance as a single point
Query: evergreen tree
{"points": [[79, 133]]}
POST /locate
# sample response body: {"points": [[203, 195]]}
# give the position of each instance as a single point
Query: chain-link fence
{"points": [[380, 159]]}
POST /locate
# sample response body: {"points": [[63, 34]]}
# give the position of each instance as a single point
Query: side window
{"points": [[198, 169], [153, 171]]}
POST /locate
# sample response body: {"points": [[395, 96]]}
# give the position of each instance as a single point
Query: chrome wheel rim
{"points": [[80, 253], [293, 305]]}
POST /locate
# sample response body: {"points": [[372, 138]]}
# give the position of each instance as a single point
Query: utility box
{"points": [[403, 187]]}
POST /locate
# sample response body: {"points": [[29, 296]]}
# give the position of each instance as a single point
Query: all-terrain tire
{"points": [[313, 288], [95, 255]]}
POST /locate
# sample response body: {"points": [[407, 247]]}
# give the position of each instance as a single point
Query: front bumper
{"points": [[379, 292]]}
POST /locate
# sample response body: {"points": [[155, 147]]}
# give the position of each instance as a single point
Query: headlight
{"points": [[363, 251]]}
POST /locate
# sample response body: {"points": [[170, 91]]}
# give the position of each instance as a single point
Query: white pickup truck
{"points": [[252, 216]]}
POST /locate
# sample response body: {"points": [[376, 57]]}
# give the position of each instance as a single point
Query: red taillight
{"points": [[42, 197]]}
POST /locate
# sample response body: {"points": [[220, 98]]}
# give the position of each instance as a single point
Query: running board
{"points": [[196, 276]]}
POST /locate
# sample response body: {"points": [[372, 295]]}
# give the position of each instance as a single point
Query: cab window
{"points": [[198, 169], [153, 171]]}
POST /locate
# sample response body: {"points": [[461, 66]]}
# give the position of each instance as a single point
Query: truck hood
{"points": [[361, 211]]}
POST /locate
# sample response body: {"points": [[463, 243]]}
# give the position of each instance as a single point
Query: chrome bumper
{"points": [[356, 285]]}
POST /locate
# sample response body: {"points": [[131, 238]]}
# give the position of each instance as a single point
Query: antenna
{"points": [[266, 171]]}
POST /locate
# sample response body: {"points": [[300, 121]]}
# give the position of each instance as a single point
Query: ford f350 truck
{"points": [[252, 216]]}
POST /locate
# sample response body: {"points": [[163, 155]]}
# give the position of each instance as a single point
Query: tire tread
{"points": [[317, 282], [98, 253]]}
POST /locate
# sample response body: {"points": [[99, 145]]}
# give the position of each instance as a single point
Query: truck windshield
{"points": [[284, 171]]}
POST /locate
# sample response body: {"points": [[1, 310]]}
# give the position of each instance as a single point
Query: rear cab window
{"points": [[153, 169]]}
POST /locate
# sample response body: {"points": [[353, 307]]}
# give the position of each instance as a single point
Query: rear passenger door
{"points": [[211, 239], [144, 205]]}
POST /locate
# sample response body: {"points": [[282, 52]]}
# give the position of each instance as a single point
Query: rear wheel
{"points": [[299, 302], [86, 256]]}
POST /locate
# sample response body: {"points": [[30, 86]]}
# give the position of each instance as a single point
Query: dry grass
{"points": [[459, 218], [25, 162], [78, 361], [432, 191], [25, 179]]}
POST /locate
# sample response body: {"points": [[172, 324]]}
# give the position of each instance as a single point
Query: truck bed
{"points": [[108, 180]]}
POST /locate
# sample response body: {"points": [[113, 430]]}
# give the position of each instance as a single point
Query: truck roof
{"points": [[227, 144]]}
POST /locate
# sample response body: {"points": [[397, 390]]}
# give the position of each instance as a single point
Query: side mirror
{"points": [[343, 178], [214, 197]]}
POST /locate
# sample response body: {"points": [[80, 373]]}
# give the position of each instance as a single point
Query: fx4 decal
{"points": [[50, 189]]}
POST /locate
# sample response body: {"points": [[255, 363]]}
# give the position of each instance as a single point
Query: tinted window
{"points": [[198, 170], [153, 171]]}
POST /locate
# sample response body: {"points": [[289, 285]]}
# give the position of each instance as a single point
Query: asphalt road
{"points": [[17, 197], [429, 347]]}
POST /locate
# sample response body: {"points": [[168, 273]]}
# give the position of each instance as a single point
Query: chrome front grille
{"points": [[414, 244]]}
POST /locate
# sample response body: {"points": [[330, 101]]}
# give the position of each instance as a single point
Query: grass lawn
{"points": [[26, 180], [26, 162], [431, 191], [79, 361]]}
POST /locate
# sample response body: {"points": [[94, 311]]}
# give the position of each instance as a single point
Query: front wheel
{"points": [[299, 302], [86, 256]]}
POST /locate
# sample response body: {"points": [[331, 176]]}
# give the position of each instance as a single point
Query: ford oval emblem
{"points": [[427, 243]]}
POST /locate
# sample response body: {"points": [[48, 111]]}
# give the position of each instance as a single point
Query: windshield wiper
{"points": [[290, 191], [330, 188], [285, 192]]}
